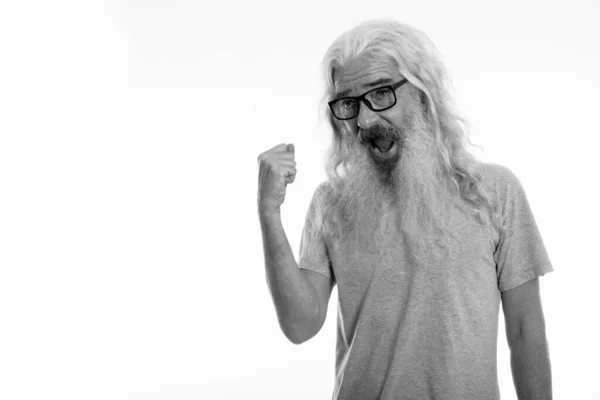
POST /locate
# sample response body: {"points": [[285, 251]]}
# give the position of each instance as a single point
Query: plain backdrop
{"points": [[131, 262]]}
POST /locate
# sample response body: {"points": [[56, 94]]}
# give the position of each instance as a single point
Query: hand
{"points": [[277, 168]]}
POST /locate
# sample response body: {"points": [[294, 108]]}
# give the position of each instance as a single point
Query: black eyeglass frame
{"points": [[363, 97]]}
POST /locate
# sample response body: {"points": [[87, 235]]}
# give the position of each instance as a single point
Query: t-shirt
{"points": [[428, 331]]}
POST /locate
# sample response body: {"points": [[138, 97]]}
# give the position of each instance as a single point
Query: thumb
{"points": [[290, 148]]}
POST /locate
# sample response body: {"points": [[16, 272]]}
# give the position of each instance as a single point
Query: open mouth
{"points": [[382, 146]]}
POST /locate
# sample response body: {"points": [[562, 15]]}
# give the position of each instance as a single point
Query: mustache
{"points": [[377, 132]]}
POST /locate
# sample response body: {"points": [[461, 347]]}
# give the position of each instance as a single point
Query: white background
{"points": [[130, 250]]}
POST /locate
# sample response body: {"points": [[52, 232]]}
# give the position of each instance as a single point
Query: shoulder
{"points": [[500, 180], [323, 191], [504, 186], [497, 174], [319, 197], [324, 187]]}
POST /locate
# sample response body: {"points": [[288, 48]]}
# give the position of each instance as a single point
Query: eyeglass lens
{"points": [[380, 99]]}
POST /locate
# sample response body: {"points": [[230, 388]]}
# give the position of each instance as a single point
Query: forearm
{"points": [[531, 371], [295, 299]]}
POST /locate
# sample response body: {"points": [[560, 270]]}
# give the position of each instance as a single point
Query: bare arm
{"points": [[295, 299], [531, 371]]}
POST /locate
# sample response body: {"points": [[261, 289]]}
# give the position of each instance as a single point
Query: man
{"points": [[422, 240]]}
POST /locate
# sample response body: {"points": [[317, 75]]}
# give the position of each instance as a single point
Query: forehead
{"points": [[359, 75]]}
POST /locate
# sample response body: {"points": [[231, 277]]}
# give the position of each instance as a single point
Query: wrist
{"points": [[268, 212]]}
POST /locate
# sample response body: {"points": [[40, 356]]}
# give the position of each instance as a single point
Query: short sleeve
{"points": [[313, 253], [520, 254]]}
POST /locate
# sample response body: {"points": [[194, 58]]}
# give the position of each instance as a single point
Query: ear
{"points": [[419, 97], [424, 100]]}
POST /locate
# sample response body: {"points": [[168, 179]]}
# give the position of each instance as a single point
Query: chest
{"points": [[460, 252]]}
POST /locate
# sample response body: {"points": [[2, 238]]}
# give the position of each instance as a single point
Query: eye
{"points": [[382, 93], [347, 103]]}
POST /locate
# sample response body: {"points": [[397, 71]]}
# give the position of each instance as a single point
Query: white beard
{"points": [[410, 199]]}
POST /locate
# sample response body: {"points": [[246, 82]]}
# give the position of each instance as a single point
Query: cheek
{"points": [[397, 118], [349, 127], [405, 109]]}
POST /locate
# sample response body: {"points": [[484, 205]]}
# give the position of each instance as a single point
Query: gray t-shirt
{"points": [[428, 331]]}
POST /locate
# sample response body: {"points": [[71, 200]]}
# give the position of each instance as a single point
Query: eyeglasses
{"points": [[378, 99]]}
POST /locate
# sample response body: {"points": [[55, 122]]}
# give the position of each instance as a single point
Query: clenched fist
{"points": [[277, 168]]}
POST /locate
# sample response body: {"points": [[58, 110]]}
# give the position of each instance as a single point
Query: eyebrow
{"points": [[378, 82]]}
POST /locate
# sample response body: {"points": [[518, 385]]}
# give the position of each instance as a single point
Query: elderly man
{"points": [[422, 240]]}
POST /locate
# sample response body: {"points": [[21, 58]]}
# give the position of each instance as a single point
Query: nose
{"points": [[366, 116]]}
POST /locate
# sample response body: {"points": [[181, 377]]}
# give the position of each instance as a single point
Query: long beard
{"points": [[406, 196]]}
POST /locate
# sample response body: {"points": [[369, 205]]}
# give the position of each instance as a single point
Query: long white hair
{"points": [[419, 62]]}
